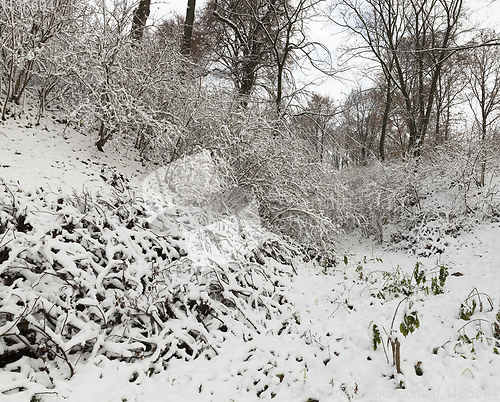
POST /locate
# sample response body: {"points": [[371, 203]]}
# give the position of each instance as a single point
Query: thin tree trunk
{"points": [[188, 28], [385, 120], [103, 137], [484, 129]]}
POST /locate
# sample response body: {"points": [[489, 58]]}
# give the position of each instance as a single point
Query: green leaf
{"points": [[403, 329], [467, 311], [410, 323], [419, 274], [345, 260], [377, 340], [443, 274]]}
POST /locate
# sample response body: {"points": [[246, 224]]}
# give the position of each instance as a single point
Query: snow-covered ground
{"points": [[327, 352]]}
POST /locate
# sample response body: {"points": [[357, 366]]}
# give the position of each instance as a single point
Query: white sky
{"points": [[168, 6], [486, 9]]}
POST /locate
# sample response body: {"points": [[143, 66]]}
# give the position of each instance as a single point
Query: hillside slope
{"points": [[104, 295]]}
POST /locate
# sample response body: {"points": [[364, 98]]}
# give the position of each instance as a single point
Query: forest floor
{"points": [[447, 327]]}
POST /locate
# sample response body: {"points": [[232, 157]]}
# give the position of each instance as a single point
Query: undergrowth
{"points": [[86, 276]]}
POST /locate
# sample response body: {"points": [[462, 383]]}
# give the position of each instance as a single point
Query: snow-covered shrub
{"points": [[130, 94], [30, 33], [426, 234], [454, 168], [379, 193], [85, 276], [297, 195], [264, 172], [419, 205], [450, 201]]}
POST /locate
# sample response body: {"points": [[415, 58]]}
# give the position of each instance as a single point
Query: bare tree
{"points": [[259, 42], [315, 124], [417, 37], [290, 41], [361, 122], [483, 71], [170, 32], [389, 92], [239, 44], [449, 94]]}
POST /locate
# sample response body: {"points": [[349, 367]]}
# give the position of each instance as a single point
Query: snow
{"points": [[326, 352], [59, 156]]}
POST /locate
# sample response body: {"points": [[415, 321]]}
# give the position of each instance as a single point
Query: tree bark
{"points": [[141, 14], [188, 28], [385, 120]]}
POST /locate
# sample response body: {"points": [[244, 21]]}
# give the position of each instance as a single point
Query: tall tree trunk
{"points": [[141, 14], [447, 121], [484, 129], [248, 81], [385, 120], [188, 28]]}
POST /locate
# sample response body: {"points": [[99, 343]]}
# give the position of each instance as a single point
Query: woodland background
{"points": [[225, 82]]}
